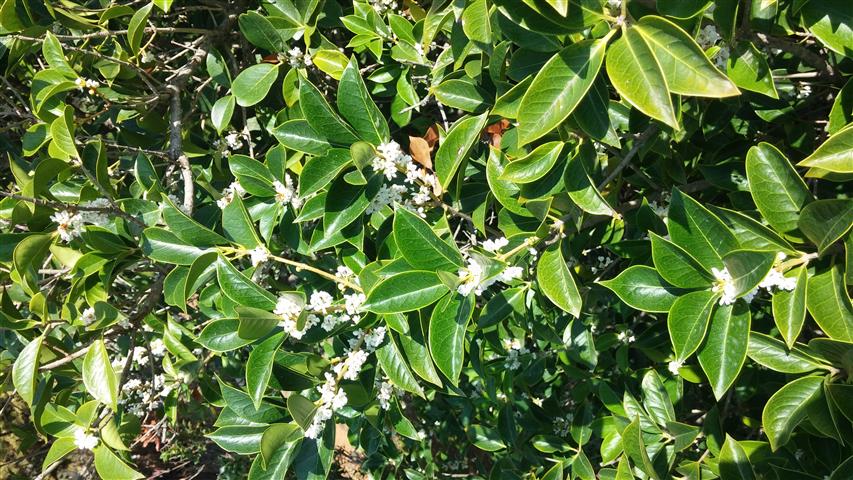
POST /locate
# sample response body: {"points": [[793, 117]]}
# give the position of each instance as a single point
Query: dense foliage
{"points": [[409, 239]]}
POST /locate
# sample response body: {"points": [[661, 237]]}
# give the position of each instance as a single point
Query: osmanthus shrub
{"points": [[482, 238]]}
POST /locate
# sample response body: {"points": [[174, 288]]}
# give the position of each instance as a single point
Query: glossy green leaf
{"points": [[319, 114], [221, 113], [777, 189], [829, 304], [832, 22], [110, 467], [835, 154], [635, 448], [447, 333], [25, 370], [136, 27], [238, 287], [420, 245], [260, 32], [787, 408], [641, 287], [724, 352], [698, 231], [259, 367], [748, 268], [163, 246], [558, 88], [456, 146], [775, 355], [688, 321], [357, 107], [789, 307], [462, 94], [534, 165], [99, 377], [676, 266], [394, 365], [252, 84], [404, 292], [748, 69], [734, 462], [241, 439], [824, 222], [556, 281]]}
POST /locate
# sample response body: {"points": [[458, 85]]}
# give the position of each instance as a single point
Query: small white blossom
{"points": [[472, 278], [158, 348], [84, 441], [87, 84], [493, 246], [352, 365], [297, 59], [626, 336], [389, 158], [674, 366], [374, 338], [510, 273], [320, 301], [384, 395], [88, 316], [69, 225], [259, 255], [228, 194], [353, 303], [140, 356], [724, 285]]}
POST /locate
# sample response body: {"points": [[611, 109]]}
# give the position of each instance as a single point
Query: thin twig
{"points": [[638, 143]]}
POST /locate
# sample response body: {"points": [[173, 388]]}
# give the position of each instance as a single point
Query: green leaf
{"points": [[163, 246], [502, 305], [751, 234], [684, 65], [260, 32], [534, 165], [635, 448], [238, 225], [51, 49], [239, 288], [58, 450], [835, 154], [252, 84], [136, 27], [259, 367], [556, 281], [62, 133], [394, 365], [787, 408], [110, 467], [221, 336], [277, 435], [485, 438], [187, 229], [656, 399], [842, 109], [775, 355], [300, 136], [580, 187], [637, 76], [420, 245], [357, 107], [475, 22], [748, 69], [688, 321], [404, 292], [789, 307], [698, 231], [331, 62], [676, 266], [456, 146], [418, 354], [558, 88], [462, 94], [641, 287], [724, 352], [829, 305], [824, 222], [447, 326], [733, 462], [321, 117], [279, 445], [318, 172], [221, 112], [99, 377], [777, 189], [348, 203], [24, 370], [748, 268], [240, 439], [831, 22]]}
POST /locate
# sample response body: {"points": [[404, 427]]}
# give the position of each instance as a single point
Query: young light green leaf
{"points": [[556, 281], [221, 112], [748, 69], [641, 287], [136, 27], [252, 84], [475, 22], [724, 351], [456, 146], [688, 321], [835, 154], [331, 62], [558, 88], [110, 467], [99, 377], [404, 292], [447, 333], [637, 76], [420, 245], [787, 408], [777, 189]]}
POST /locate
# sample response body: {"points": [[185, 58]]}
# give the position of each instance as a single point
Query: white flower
{"points": [[389, 157], [84, 441], [132, 384], [70, 225], [353, 303], [96, 217], [88, 316], [722, 56], [382, 6], [297, 59], [140, 356], [352, 365], [724, 285], [510, 273], [158, 348], [775, 278], [387, 195], [320, 301], [283, 193], [803, 91], [259, 255], [472, 278], [626, 336], [331, 399], [330, 322], [87, 84], [234, 140], [228, 194], [374, 338], [674, 366], [495, 245], [515, 348], [384, 395]]}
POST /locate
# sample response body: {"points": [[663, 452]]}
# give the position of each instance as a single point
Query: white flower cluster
{"points": [[332, 398], [724, 285], [88, 316], [297, 59], [346, 274], [514, 348], [386, 391], [674, 366], [419, 183], [87, 84], [382, 6], [289, 311], [84, 441], [494, 245], [803, 91], [70, 224], [141, 355], [286, 192], [320, 301], [626, 336], [473, 277], [228, 194]]}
